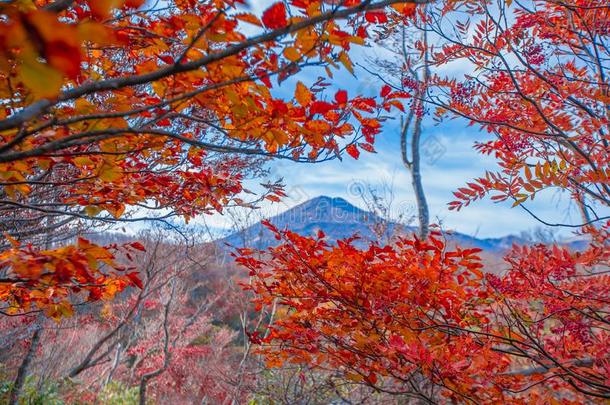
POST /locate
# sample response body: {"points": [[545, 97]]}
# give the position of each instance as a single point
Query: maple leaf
{"points": [[134, 3], [367, 147], [138, 246], [135, 279]]}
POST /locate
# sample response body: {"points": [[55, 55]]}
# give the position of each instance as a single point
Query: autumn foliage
{"points": [[45, 279], [118, 112], [545, 99], [420, 319]]}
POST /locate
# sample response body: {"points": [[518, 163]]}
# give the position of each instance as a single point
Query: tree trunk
{"points": [[22, 372], [166, 352], [413, 163], [418, 188]]}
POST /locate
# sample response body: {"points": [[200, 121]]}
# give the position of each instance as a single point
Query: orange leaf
{"points": [[101, 9], [292, 54], [249, 18], [303, 95]]}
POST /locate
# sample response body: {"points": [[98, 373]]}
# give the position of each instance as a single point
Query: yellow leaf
{"points": [[279, 137], [92, 210], [116, 210], [313, 9], [354, 377], [273, 363], [109, 171], [346, 61], [306, 40], [41, 79], [520, 199], [106, 311], [159, 88], [303, 95], [22, 5], [95, 32], [82, 161], [44, 164], [83, 106], [103, 8]]}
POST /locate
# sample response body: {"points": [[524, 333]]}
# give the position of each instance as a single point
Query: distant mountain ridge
{"points": [[339, 219]]}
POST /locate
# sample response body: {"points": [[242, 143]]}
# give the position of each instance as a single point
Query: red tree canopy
{"points": [[418, 318]]}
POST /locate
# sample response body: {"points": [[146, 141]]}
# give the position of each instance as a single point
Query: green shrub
{"points": [[33, 392], [116, 393]]}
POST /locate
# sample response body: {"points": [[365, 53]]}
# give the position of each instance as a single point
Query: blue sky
{"points": [[457, 163], [451, 162]]}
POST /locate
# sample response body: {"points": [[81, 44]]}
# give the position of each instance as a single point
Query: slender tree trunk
{"points": [[413, 162], [416, 180], [166, 350], [22, 372], [115, 363]]}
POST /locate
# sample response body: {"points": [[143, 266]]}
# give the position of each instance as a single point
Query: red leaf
{"points": [[321, 107], [64, 56], [167, 59], [134, 3], [273, 198], [364, 104], [275, 16], [138, 246], [385, 90], [135, 280], [367, 147], [394, 103], [341, 97], [372, 378], [409, 10], [353, 151], [376, 16]]}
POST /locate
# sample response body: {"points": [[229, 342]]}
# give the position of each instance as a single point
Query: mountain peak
{"points": [[322, 209], [324, 199], [337, 217], [340, 219]]}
